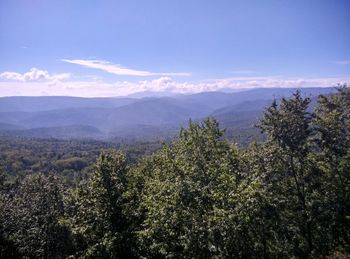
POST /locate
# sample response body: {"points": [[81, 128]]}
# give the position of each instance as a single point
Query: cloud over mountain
{"points": [[34, 74], [44, 84]]}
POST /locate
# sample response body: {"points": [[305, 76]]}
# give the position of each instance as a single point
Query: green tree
{"points": [[332, 126], [33, 219], [96, 211], [288, 127], [262, 201], [7, 247], [187, 199]]}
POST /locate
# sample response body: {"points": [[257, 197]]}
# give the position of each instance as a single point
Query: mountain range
{"points": [[135, 116]]}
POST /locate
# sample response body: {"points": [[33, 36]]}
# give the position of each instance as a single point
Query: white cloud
{"points": [[343, 62], [34, 74], [95, 88], [118, 69], [12, 76]]}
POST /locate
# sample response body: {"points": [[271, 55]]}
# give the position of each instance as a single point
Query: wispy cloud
{"points": [[343, 62], [118, 69], [34, 74]]}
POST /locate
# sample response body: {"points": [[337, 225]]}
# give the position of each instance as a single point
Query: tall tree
{"points": [[332, 126], [288, 126]]}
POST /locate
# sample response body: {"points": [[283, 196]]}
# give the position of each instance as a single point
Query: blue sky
{"points": [[111, 48]]}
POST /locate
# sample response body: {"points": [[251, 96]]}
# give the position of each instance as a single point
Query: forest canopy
{"points": [[197, 197]]}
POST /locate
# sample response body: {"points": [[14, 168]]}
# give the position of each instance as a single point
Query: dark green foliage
{"points": [[95, 211], [31, 218], [288, 128], [332, 123], [72, 159], [311, 189], [288, 124], [7, 247]]}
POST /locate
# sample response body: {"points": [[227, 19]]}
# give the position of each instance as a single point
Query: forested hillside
{"points": [[72, 159], [200, 196], [147, 118]]}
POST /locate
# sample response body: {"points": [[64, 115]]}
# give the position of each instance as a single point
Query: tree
{"points": [[187, 199], [33, 221], [288, 126], [332, 126], [7, 248], [95, 212], [262, 203]]}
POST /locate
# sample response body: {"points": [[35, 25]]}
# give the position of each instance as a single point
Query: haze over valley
{"points": [[136, 118]]}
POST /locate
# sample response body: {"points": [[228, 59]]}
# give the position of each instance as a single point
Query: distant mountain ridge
{"points": [[44, 103], [76, 117]]}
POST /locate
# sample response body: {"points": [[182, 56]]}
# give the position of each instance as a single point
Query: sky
{"points": [[114, 48]]}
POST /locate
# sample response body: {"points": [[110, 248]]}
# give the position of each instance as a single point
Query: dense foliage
{"points": [[200, 196], [72, 159]]}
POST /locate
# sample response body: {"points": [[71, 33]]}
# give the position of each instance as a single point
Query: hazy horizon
{"points": [[158, 94]]}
